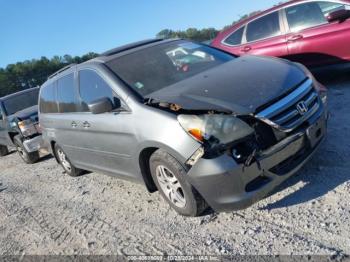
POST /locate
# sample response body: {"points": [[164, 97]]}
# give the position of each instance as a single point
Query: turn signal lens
{"points": [[197, 134]]}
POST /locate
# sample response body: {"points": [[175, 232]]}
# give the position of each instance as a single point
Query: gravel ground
{"points": [[43, 211]]}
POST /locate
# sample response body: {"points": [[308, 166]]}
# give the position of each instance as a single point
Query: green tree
{"points": [[35, 72]]}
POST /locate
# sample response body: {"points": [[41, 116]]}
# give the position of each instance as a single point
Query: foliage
{"points": [[32, 73], [190, 33]]}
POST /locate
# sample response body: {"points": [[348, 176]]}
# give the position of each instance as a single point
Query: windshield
{"points": [[21, 101], [154, 68]]}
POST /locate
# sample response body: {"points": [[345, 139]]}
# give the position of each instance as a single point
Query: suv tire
{"points": [[3, 150], [68, 167], [29, 158], [169, 177]]}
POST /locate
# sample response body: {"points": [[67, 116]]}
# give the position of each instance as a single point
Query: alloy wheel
{"points": [[63, 159], [170, 186]]}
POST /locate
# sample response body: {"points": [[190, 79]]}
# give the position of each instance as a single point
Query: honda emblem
{"points": [[302, 108]]}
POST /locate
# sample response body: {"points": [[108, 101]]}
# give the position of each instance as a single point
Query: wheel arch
{"points": [[144, 158], [146, 149], [53, 151]]}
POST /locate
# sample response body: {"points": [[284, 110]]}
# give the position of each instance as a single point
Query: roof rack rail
{"points": [[130, 46], [61, 70]]}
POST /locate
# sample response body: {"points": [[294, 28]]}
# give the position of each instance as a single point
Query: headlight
{"points": [[223, 128], [27, 127]]}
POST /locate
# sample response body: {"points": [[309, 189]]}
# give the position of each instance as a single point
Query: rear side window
{"points": [[48, 102], [235, 38], [66, 95], [264, 27], [93, 87], [305, 16]]}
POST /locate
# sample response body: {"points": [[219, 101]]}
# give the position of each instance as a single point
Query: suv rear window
{"points": [[21, 101], [153, 68], [48, 102], [235, 38], [264, 27]]}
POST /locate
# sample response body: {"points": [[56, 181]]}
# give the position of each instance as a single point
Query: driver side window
{"points": [[93, 87], [311, 14]]}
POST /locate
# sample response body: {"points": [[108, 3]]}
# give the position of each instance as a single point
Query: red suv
{"points": [[314, 33]]}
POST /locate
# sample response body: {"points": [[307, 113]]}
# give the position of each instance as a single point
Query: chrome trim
{"points": [[289, 100], [300, 120], [281, 113]]}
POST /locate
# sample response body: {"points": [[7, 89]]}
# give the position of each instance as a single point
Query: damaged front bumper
{"points": [[33, 144], [227, 185]]}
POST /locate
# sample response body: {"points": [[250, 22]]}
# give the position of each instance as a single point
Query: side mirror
{"points": [[101, 105], [339, 15]]}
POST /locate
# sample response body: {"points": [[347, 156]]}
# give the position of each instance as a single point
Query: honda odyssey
{"points": [[201, 126]]}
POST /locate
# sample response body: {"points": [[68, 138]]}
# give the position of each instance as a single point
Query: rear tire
{"points": [[29, 158], [3, 150], [170, 178], [67, 165]]}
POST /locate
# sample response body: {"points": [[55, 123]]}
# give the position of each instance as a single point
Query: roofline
{"points": [[131, 46], [61, 70], [239, 24], [113, 53], [134, 47]]}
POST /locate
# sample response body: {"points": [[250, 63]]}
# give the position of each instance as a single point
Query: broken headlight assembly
{"points": [[215, 132], [27, 128]]}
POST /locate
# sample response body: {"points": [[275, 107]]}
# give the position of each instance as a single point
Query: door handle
{"points": [[74, 124], [86, 124], [246, 49], [295, 38]]}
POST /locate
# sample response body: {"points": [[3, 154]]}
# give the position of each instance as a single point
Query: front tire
{"points": [[67, 165], [170, 178], [3, 150], [29, 158]]}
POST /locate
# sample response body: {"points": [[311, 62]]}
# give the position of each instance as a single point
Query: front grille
{"points": [[292, 110]]}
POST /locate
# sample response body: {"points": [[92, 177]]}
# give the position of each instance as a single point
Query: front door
{"points": [[104, 142], [312, 40]]}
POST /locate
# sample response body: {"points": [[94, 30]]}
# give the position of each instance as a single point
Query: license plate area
{"points": [[316, 131]]}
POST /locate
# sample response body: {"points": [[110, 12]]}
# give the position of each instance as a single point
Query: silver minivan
{"points": [[201, 126]]}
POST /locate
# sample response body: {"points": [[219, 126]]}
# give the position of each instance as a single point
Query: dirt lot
{"points": [[43, 211]]}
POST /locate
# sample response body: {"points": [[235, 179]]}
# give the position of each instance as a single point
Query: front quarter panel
{"points": [[160, 129]]}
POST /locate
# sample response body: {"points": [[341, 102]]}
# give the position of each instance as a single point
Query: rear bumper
{"points": [[33, 144], [226, 185]]}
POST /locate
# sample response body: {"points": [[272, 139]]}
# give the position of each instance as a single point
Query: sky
{"points": [[34, 28]]}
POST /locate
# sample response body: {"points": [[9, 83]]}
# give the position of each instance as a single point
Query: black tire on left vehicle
{"points": [[29, 158], [3, 150]]}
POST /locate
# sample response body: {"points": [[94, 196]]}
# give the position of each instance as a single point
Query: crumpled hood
{"points": [[30, 112], [239, 86]]}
